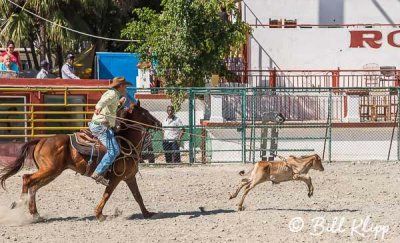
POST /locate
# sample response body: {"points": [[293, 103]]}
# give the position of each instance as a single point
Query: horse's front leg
{"points": [[133, 186], [113, 183]]}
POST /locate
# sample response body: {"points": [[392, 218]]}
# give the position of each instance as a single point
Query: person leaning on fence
{"points": [[102, 123], [44, 71], [172, 136], [68, 70]]}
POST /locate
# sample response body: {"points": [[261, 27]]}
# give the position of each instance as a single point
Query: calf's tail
{"points": [[243, 173]]}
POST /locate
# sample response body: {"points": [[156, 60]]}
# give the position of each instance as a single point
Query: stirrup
{"points": [[100, 179]]}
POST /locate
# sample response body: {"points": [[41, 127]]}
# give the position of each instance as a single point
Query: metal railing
{"points": [[238, 124]]}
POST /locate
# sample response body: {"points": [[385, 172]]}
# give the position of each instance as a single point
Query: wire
{"points": [[69, 29]]}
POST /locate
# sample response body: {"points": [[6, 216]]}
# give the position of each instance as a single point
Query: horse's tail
{"points": [[13, 168]]}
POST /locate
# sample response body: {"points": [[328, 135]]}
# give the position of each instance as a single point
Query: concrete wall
{"points": [[348, 144], [319, 48]]}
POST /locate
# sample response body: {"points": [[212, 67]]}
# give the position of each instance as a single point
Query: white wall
{"points": [[307, 11], [318, 48]]}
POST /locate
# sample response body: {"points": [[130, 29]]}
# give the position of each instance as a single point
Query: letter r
{"points": [[358, 37]]}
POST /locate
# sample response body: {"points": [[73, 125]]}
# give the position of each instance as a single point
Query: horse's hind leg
{"points": [[32, 183], [132, 184], [113, 183]]}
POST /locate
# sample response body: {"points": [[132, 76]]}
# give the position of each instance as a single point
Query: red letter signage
{"points": [[391, 38], [372, 38]]}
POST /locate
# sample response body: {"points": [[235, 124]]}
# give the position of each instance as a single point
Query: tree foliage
{"points": [[189, 39]]}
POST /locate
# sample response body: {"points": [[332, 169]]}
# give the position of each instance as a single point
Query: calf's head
{"points": [[317, 163]]}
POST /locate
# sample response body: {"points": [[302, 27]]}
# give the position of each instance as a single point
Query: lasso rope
{"points": [[131, 147], [124, 120]]}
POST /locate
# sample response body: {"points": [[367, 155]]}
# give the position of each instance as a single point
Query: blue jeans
{"points": [[171, 151], [107, 138]]}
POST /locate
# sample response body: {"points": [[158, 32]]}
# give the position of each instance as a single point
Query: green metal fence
{"points": [[245, 125], [228, 125]]}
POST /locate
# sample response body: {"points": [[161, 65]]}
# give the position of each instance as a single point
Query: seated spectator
{"points": [[68, 70], [8, 65], [44, 72], [14, 55]]}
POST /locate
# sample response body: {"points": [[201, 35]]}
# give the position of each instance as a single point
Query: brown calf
{"points": [[294, 168]]}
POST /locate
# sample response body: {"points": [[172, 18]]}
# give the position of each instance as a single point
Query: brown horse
{"points": [[55, 154]]}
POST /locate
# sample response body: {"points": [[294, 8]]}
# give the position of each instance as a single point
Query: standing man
{"points": [[102, 123], [44, 72], [68, 70], [172, 136]]}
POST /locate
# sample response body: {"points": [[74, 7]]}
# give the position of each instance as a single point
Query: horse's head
{"points": [[139, 116]]}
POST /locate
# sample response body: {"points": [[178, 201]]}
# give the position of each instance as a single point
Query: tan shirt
{"points": [[108, 103]]}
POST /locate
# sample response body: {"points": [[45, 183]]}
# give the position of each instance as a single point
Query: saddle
{"points": [[84, 142]]}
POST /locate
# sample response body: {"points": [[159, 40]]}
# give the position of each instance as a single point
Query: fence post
{"points": [[253, 123], [398, 124], [330, 125], [191, 124], [272, 79], [335, 79], [244, 110]]}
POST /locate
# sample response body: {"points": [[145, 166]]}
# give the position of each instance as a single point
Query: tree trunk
{"points": [[59, 59], [42, 40], [28, 57], [48, 53], [33, 51]]}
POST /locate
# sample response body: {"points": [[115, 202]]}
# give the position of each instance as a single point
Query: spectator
{"points": [[44, 72], [68, 70], [172, 136], [8, 65], [14, 55], [155, 84]]}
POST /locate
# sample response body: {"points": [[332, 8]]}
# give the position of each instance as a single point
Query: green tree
{"points": [[189, 39]]}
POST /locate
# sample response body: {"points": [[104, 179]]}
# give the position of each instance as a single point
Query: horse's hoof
{"points": [[101, 218], [13, 205], [240, 208], [148, 215], [310, 194], [37, 218]]}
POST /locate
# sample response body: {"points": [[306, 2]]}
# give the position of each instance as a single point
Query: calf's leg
{"points": [[243, 183], [307, 180]]}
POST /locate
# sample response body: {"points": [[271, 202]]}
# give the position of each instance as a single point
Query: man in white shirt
{"points": [[44, 72], [68, 70], [173, 133]]}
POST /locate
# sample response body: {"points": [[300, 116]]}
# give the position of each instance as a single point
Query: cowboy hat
{"points": [[117, 81]]}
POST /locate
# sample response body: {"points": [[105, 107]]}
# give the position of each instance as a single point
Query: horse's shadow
{"points": [[191, 214], [65, 219], [159, 215]]}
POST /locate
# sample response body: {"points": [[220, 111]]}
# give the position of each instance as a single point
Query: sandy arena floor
{"points": [[345, 195]]}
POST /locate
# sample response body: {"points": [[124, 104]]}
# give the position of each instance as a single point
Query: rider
{"points": [[102, 123]]}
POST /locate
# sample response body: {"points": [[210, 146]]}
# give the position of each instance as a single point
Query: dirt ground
{"points": [[352, 202]]}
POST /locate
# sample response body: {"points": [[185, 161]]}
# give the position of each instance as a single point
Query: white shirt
{"points": [[42, 74], [68, 72], [172, 133]]}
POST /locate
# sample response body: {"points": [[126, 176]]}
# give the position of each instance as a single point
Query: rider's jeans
{"points": [[107, 138]]}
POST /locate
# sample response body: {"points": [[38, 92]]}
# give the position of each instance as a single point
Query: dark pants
{"points": [[171, 151]]}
